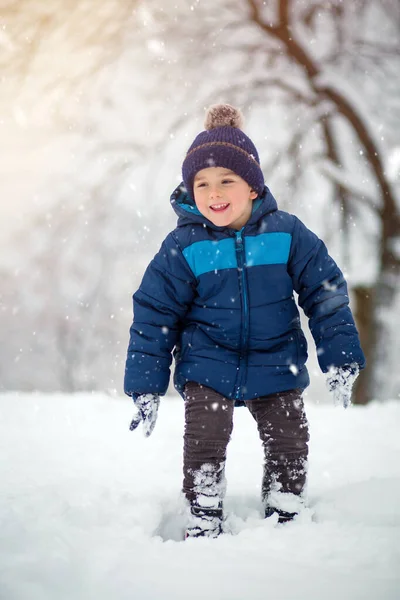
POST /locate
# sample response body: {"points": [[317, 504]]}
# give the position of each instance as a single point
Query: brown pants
{"points": [[283, 430]]}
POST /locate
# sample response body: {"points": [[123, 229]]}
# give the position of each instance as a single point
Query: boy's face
{"points": [[223, 197]]}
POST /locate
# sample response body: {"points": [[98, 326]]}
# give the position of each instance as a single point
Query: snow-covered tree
{"points": [[123, 86]]}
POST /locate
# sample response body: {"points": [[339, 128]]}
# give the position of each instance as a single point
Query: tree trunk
{"points": [[374, 309], [364, 317]]}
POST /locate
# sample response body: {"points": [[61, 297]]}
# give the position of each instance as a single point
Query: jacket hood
{"points": [[188, 212]]}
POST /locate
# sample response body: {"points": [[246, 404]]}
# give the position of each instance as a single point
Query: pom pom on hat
{"points": [[223, 115]]}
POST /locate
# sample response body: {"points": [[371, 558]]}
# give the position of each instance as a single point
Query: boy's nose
{"points": [[215, 193]]}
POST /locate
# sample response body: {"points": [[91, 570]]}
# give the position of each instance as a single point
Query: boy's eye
{"points": [[201, 184], [227, 181]]}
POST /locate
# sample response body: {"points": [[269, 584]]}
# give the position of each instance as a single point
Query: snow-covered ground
{"points": [[91, 510]]}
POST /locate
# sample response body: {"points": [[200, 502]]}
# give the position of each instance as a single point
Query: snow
{"points": [[89, 509]]}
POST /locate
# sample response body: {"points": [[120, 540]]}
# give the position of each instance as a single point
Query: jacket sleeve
{"points": [[323, 296], [159, 305]]}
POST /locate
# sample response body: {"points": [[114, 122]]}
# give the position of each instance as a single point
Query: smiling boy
{"points": [[220, 295]]}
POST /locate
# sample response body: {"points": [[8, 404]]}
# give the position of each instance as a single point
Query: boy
{"points": [[219, 293]]}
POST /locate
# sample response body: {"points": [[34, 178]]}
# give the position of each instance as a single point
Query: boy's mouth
{"points": [[219, 207]]}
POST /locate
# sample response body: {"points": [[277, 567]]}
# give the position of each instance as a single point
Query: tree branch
{"points": [[390, 214]]}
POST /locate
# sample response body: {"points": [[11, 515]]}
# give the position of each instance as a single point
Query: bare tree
{"points": [[386, 208], [320, 75], [321, 62]]}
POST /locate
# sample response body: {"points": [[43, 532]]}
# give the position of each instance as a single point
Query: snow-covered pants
{"points": [[283, 430]]}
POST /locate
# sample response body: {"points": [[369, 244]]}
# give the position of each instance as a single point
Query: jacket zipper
{"points": [[240, 254]]}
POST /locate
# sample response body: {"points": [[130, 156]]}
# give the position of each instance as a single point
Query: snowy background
{"points": [[89, 509], [98, 103]]}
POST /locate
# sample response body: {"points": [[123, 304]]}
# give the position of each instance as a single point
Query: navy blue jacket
{"points": [[223, 301]]}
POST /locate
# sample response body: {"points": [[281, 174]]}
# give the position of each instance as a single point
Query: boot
{"points": [[204, 522]]}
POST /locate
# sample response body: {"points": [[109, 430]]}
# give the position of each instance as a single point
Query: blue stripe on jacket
{"points": [[268, 249], [263, 249]]}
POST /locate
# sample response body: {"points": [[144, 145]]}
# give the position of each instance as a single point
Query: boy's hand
{"points": [[340, 381], [147, 406]]}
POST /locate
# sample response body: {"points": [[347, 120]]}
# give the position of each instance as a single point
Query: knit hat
{"points": [[223, 144]]}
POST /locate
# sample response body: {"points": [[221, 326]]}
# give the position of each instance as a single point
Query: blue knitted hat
{"points": [[223, 144]]}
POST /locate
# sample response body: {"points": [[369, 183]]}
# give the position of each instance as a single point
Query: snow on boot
{"points": [[283, 516], [204, 522], [206, 513]]}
